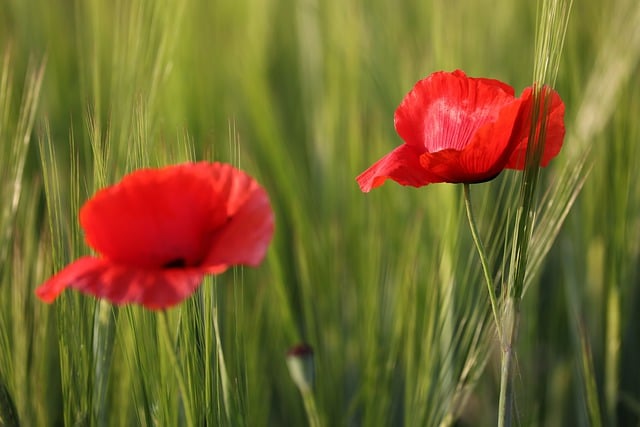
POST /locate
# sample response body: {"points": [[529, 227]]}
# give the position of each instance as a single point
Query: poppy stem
{"points": [[311, 409], [222, 366], [173, 356], [103, 339], [483, 258], [510, 319]]}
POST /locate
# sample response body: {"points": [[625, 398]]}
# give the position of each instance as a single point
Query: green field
{"points": [[387, 287]]}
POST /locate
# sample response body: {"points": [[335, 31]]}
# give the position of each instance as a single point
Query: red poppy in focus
{"points": [[460, 129], [159, 231]]}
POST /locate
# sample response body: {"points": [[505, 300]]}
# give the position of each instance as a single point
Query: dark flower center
{"points": [[175, 263], [492, 177]]}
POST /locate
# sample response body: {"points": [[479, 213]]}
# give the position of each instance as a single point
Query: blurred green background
{"points": [[386, 286]]}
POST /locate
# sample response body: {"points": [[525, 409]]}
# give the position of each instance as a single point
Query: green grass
{"points": [[387, 286]]}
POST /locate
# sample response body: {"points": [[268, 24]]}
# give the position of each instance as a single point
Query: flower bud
{"points": [[301, 366]]}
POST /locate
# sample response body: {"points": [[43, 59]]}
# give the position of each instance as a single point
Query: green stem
{"points": [[182, 386], [222, 366], [310, 408], [510, 324], [483, 258], [103, 339]]}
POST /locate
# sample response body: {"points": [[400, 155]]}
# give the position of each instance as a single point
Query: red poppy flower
{"points": [[159, 231], [462, 129]]}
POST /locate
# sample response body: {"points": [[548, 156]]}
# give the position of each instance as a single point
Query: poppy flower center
{"points": [[175, 263]]}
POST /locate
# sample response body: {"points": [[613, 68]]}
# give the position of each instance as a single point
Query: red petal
{"points": [[486, 154], [59, 282], [152, 288], [154, 217], [402, 165], [245, 237], [554, 132], [444, 110]]}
